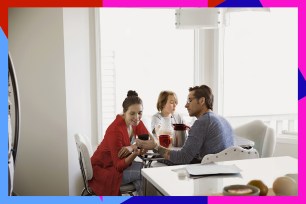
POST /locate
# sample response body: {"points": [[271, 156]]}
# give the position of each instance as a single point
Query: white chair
{"points": [[84, 152], [231, 153], [85, 163], [263, 136]]}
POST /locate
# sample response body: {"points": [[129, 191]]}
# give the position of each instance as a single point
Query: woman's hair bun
{"points": [[132, 93]]}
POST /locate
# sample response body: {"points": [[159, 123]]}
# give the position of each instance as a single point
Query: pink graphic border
{"points": [[155, 3]]}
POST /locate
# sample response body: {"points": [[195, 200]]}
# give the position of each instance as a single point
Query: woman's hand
{"points": [[125, 151], [140, 151], [146, 144]]}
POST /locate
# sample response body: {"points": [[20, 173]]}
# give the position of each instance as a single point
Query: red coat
{"points": [[107, 166]]}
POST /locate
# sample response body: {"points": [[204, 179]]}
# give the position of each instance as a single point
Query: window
{"points": [[260, 65], [142, 50]]}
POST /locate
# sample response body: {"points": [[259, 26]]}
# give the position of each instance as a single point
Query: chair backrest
{"points": [[263, 136], [231, 153], [84, 159]]}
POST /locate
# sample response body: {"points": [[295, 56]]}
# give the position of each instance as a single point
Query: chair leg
{"points": [[87, 192], [83, 191]]}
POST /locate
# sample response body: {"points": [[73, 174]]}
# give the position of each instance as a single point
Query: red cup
{"points": [[164, 140]]}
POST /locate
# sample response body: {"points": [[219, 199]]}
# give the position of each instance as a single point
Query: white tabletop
{"points": [[168, 182]]}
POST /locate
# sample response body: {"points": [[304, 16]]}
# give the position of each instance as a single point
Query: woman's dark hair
{"points": [[206, 92], [131, 99], [163, 98]]}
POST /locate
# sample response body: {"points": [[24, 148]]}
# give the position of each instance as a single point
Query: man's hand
{"points": [[143, 151], [146, 144], [134, 147]]}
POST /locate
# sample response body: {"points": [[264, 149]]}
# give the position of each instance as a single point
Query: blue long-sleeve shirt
{"points": [[209, 134]]}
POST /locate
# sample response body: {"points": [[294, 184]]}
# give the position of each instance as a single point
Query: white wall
{"points": [[78, 77], [52, 62], [286, 146]]}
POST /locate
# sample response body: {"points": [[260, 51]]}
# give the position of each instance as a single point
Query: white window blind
{"points": [[108, 88]]}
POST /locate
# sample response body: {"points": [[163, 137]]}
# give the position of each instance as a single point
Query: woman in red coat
{"points": [[113, 161]]}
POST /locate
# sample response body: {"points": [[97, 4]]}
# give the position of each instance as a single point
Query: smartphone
{"points": [[143, 137]]}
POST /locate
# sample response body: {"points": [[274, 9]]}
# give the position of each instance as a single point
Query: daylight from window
{"points": [[260, 63], [142, 50]]}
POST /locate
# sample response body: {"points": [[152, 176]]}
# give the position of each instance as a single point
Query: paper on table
{"points": [[211, 169]]}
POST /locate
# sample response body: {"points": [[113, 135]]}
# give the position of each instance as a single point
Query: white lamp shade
{"points": [[199, 18]]}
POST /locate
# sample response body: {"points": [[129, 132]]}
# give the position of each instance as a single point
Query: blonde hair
{"points": [[162, 99]]}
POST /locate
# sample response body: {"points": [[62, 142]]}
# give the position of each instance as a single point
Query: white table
{"points": [[167, 182]]}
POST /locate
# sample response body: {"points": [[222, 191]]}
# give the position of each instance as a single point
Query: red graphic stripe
{"points": [[3, 17], [214, 3], [55, 3]]}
